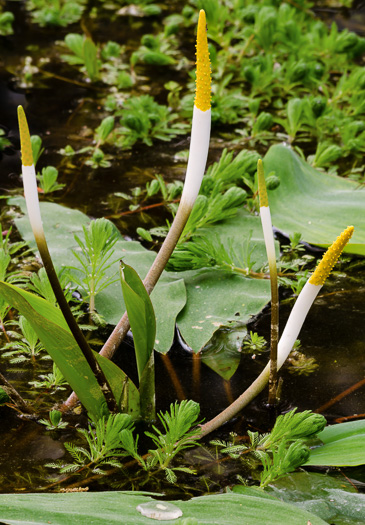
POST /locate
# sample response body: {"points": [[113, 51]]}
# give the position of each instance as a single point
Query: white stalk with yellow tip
{"points": [[34, 214], [200, 129], [198, 153], [291, 331], [309, 293], [29, 179]]}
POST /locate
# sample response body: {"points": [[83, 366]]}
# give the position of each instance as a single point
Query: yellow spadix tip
{"points": [[330, 258], [25, 144], [264, 201], [203, 80]]}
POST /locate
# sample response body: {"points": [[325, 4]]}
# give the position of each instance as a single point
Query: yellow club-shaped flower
{"points": [[309, 293], [29, 178]]}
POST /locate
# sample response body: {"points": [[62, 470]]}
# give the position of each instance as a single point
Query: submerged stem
{"points": [[14, 395]]}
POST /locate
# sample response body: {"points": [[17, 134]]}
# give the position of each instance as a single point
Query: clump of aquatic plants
{"points": [[283, 449], [279, 73], [56, 12], [111, 438]]}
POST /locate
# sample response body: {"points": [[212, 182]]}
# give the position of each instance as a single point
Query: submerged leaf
{"points": [[316, 204]]}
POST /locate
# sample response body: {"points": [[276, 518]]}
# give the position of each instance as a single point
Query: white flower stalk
{"points": [[266, 219], [34, 214], [29, 179], [271, 257], [291, 331], [309, 293], [200, 129], [198, 153]]}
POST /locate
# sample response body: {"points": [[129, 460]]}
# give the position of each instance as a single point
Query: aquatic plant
{"points": [[54, 421], [282, 450], [111, 438]]}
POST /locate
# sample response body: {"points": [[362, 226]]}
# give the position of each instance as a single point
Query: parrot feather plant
{"points": [[198, 153], [296, 317]]}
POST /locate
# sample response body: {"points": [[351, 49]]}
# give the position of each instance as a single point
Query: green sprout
{"points": [[54, 421]]}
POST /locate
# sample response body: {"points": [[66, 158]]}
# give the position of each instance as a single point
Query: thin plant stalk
{"points": [[198, 154], [15, 397], [290, 333], [271, 257], [32, 201]]}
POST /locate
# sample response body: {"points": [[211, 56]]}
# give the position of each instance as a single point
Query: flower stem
{"points": [[271, 256], [31, 198]]}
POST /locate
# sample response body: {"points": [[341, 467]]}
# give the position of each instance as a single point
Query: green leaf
{"points": [[99, 508], [343, 445], [209, 306], [314, 203], [168, 299], [141, 315], [75, 42], [4, 398], [332, 499], [90, 52], [204, 290], [147, 391], [52, 330]]}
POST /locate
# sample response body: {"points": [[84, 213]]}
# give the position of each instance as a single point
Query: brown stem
{"points": [[253, 390], [73, 326], [274, 337], [180, 394], [337, 398]]}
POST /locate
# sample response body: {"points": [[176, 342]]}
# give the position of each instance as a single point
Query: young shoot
{"points": [[54, 421], [94, 255], [178, 436], [48, 180], [28, 348], [102, 448], [255, 344], [51, 382]]}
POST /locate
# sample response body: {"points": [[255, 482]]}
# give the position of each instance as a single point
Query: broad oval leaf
{"points": [[343, 445]]}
